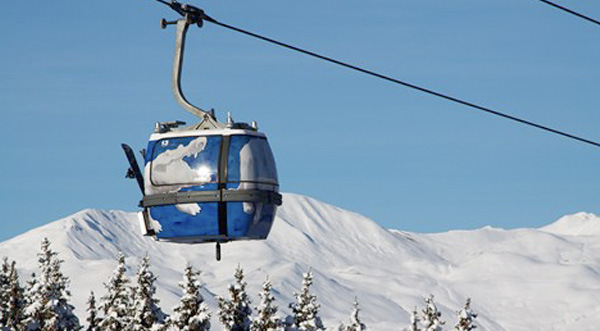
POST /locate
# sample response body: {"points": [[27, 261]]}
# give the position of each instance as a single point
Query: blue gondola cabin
{"points": [[209, 185]]}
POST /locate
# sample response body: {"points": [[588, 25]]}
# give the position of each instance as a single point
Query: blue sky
{"points": [[77, 78]]}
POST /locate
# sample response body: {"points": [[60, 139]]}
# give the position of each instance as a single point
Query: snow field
{"points": [[524, 279]]}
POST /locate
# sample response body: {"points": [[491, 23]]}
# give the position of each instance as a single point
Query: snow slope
{"points": [[525, 279], [583, 224]]}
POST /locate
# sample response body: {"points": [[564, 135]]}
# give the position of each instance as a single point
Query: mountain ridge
{"points": [[390, 271]]}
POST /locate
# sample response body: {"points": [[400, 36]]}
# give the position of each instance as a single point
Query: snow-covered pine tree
{"points": [[11, 297], [49, 308], [16, 300], [191, 314], [116, 304], [266, 318], [431, 316], [355, 323], [235, 312], [92, 314], [32, 303], [146, 312], [414, 321], [305, 310], [465, 318], [4, 285], [64, 318]]}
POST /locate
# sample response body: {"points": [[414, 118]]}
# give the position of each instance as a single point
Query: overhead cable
{"points": [[406, 84], [570, 11]]}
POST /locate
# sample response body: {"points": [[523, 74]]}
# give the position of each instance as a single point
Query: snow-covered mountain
{"points": [[524, 279], [580, 224]]}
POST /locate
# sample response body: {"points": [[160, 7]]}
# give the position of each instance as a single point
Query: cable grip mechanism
{"points": [[192, 14]]}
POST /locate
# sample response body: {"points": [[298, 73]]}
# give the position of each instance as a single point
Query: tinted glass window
{"points": [[185, 160], [250, 159]]}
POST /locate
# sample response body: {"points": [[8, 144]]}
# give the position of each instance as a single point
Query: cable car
{"points": [[208, 182]]}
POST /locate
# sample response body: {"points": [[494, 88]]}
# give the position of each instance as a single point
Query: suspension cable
{"points": [[406, 84], [570, 11], [198, 15]]}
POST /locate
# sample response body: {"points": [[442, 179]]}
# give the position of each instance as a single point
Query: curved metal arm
{"points": [[182, 27]]}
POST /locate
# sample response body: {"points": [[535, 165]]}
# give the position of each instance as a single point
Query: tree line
{"points": [[131, 304]]}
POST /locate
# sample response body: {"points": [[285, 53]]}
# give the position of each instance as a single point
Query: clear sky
{"points": [[77, 78]]}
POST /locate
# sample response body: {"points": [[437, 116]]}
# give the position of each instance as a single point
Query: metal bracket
{"points": [[268, 197], [149, 231], [191, 15], [182, 27], [180, 197], [162, 127]]}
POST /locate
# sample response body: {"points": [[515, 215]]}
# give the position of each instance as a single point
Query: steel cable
{"points": [[570, 11], [406, 84]]}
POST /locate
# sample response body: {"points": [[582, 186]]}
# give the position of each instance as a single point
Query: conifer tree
{"points": [[266, 318], [36, 314], [146, 312], [11, 297], [92, 311], [116, 303], [16, 300], [48, 306], [235, 312], [355, 322], [31, 303], [414, 321], [465, 318], [191, 314], [305, 310], [431, 316], [4, 292]]}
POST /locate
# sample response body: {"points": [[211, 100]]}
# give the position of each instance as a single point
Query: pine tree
{"points": [[32, 304], [266, 311], [465, 318], [11, 297], [235, 312], [4, 291], [16, 300], [64, 318], [191, 314], [92, 318], [305, 310], [414, 321], [431, 316], [116, 303], [146, 312], [48, 306], [355, 322], [35, 314]]}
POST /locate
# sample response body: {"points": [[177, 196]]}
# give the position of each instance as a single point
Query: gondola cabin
{"points": [[207, 184]]}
